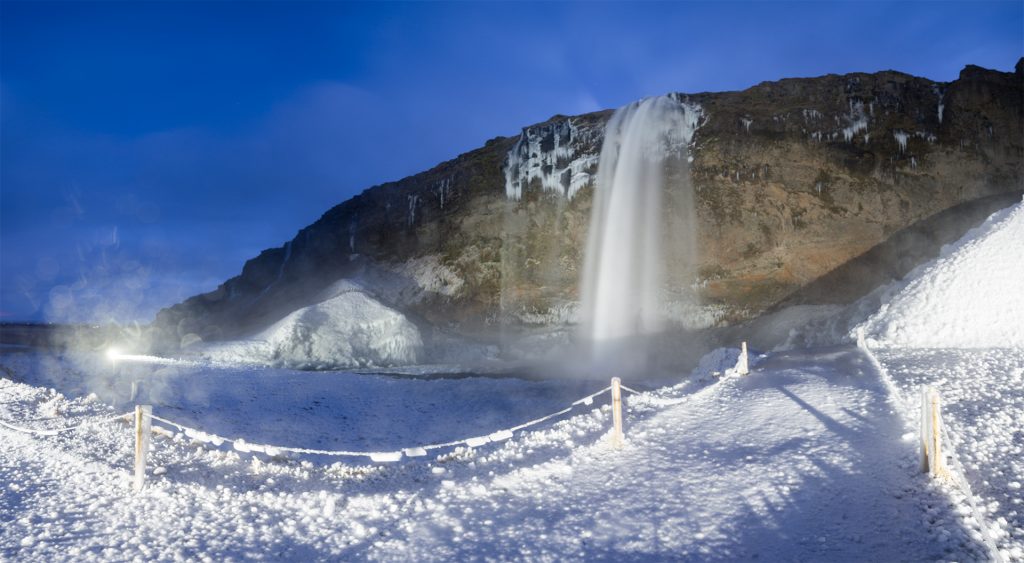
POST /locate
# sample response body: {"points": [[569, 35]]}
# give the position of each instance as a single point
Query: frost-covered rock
{"points": [[831, 168], [351, 329]]}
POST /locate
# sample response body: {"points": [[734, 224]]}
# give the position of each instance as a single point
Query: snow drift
{"points": [[348, 329], [971, 296]]}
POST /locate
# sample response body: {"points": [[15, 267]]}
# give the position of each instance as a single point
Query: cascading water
{"points": [[642, 228]]}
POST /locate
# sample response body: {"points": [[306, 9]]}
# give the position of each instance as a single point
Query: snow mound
{"points": [[971, 296], [350, 329]]}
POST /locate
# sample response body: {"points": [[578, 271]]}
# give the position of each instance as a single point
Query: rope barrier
{"points": [[961, 481], [415, 451], [54, 432], [947, 436]]}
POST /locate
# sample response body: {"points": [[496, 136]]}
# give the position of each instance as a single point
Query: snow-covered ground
{"points": [[983, 409], [971, 296], [806, 458], [813, 456]]}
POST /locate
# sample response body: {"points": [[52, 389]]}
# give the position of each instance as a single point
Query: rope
{"points": [[947, 437], [56, 431], [630, 390], [961, 481], [415, 451]]}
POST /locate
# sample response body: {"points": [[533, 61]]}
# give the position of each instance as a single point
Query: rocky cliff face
{"points": [[793, 179]]}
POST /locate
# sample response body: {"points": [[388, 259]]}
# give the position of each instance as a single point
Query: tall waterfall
{"points": [[642, 227]]}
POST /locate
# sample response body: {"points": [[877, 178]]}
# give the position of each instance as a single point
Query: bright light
{"points": [[113, 353]]}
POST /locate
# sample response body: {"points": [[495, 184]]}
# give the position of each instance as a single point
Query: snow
{"points": [[803, 459], [559, 168], [549, 153], [350, 329], [412, 281], [982, 405], [414, 201], [855, 127], [969, 297], [444, 191], [856, 119], [901, 139], [811, 115], [942, 102], [813, 456]]}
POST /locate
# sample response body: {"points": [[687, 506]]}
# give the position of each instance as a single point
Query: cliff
{"points": [[797, 181]]}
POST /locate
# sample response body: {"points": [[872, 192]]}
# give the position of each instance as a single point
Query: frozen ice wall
{"points": [[550, 154]]}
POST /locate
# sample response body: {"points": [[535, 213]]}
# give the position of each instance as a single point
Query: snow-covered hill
{"points": [[347, 329], [972, 296]]}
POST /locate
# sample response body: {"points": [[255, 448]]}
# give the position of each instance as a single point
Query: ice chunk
{"points": [[478, 441], [500, 436]]}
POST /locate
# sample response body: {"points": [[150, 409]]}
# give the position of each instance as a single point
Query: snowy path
{"points": [[982, 407], [804, 459]]}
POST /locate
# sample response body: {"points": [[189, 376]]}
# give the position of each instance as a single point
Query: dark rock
{"points": [[793, 179]]}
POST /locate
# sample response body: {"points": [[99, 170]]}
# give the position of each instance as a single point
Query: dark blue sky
{"points": [[148, 149]]}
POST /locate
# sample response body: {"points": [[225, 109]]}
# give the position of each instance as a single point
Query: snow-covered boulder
{"points": [[349, 329], [971, 296]]}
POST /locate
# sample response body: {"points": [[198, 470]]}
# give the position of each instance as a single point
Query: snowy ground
{"points": [[807, 458], [813, 456], [983, 401]]}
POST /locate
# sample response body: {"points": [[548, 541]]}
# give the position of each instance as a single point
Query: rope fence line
{"points": [[144, 416], [56, 431], [241, 445], [949, 439], [382, 456]]}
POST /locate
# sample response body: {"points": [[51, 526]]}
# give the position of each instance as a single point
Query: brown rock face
{"points": [[793, 180]]}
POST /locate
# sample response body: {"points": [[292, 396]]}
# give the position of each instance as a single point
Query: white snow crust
{"points": [[350, 329], [982, 404], [971, 296], [804, 459]]}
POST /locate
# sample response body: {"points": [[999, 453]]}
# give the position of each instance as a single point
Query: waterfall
{"points": [[642, 226]]}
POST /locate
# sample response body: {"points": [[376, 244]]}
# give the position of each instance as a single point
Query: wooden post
{"points": [[937, 461], [932, 460], [925, 420], [143, 424], [617, 436], [742, 366]]}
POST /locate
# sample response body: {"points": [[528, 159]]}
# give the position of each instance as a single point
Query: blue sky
{"points": [[148, 149]]}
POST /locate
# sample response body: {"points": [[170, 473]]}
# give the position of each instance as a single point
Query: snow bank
{"points": [[981, 398], [971, 296], [350, 329]]}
